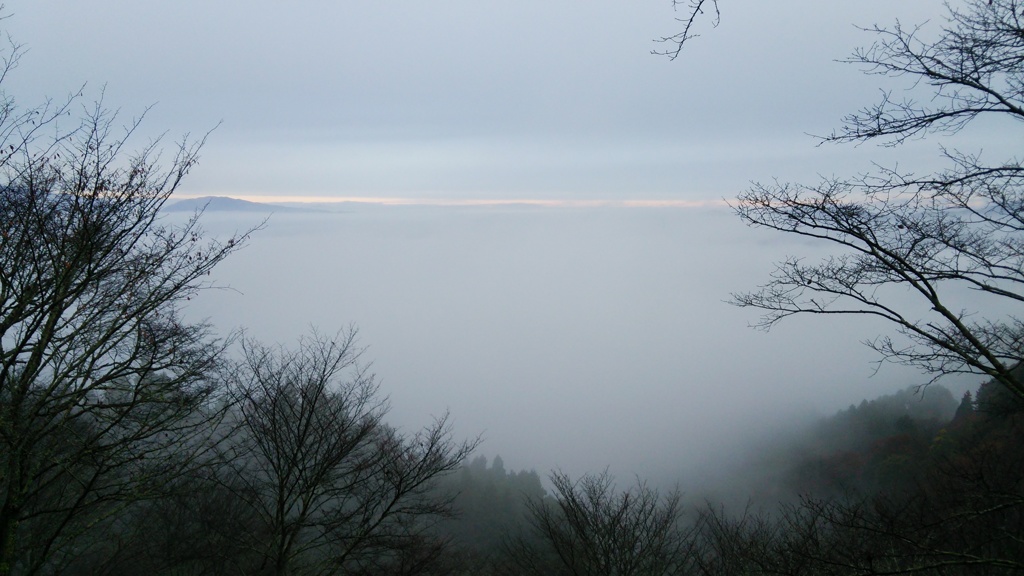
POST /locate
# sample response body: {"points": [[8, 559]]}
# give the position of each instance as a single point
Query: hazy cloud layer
{"points": [[466, 98], [577, 338]]}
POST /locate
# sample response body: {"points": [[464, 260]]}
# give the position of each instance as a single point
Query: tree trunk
{"points": [[8, 536]]}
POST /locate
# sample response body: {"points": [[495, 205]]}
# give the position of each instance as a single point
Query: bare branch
{"points": [[695, 9]]}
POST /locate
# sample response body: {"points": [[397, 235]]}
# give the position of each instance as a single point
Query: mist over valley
{"points": [[570, 338], [462, 289]]}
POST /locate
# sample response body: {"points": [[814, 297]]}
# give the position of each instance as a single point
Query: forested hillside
{"points": [[877, 445], [912, 481]]}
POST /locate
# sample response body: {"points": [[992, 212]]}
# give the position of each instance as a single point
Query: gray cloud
{"points": [[420, 97]]}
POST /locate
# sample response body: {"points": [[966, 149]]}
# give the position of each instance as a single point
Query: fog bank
{"points": [[576, 338]]}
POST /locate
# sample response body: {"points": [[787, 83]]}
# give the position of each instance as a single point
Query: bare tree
{"points": [[953, 240], [336, 489], [953, 530], [590, 528], [101, 381], [694, 10]]}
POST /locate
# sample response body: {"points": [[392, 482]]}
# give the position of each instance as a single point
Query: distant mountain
{"points": [[225, 204]]}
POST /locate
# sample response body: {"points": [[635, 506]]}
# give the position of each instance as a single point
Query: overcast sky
{"points": [[569, 338], [555, 99]]}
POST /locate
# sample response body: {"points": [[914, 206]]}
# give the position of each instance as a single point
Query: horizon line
{"points": [[466, 202]]}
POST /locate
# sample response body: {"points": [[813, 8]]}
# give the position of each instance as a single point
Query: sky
{"points": [[555, 270], [462, 99]]}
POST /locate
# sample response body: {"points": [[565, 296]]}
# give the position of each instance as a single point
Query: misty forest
{"points": [[138, 436]]}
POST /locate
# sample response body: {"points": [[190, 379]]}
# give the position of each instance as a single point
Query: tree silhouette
{"points": [[334, 487], [105, 391], [953, 240]]}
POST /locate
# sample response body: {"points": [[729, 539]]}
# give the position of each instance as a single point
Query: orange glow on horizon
{"points": [[468, 202]]}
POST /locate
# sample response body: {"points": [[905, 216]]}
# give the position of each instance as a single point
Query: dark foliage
{"points": [[956, 508], [105, 392], [490, 503]]}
